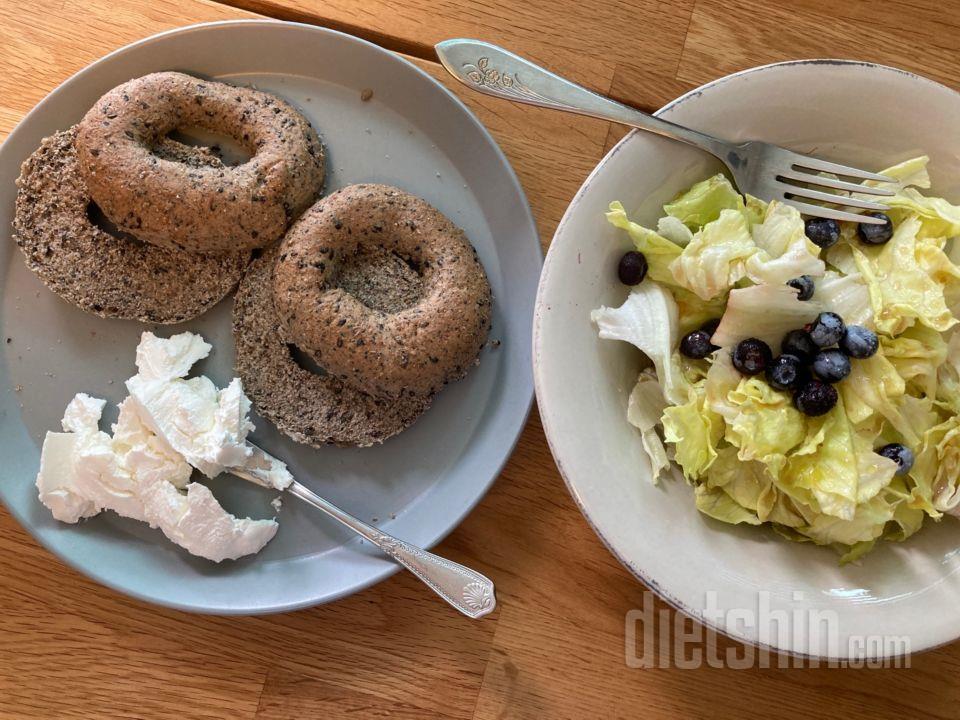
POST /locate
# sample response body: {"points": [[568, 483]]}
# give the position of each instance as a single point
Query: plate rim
{"points": [[539, 310], [524, 404]]}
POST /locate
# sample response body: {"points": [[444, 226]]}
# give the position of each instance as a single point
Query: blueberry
{"points": [[815, 398], [859, 342], [900, 454], [751, 356], [804, 284], [632, 268], [831, 365], [786, 372], [823, 232], [696, 345], [826, 330], [876, 234], [798, 343]]}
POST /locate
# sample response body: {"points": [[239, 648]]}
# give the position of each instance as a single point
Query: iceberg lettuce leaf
{"points": [[916, 355], [783, 249], [714, 260], [674, 230], [704, 202], [766, 426], [658, 251], [936, 470], [874, 385], [767, 312], [722, 378], [838, 469], [749, 485], [938, 218], [902, 289], [695, 432], [715, 503], [648, 320], [846, 295], [694, 311], [644, 409]]}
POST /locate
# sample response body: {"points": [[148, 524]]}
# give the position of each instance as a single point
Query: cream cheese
{"points": [[207, 426], [142, 471]]}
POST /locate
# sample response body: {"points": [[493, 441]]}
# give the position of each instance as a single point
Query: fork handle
{"points": [[494, 71]]}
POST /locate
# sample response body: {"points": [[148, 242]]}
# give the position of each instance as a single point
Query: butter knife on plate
{"points": [[467, 590]]}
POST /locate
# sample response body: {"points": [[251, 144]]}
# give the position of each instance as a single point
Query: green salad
{"points": [[806, 374]]}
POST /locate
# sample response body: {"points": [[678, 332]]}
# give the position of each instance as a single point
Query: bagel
{"points": [[110, 276], [201, 209], [417, 348], [310, 408]]}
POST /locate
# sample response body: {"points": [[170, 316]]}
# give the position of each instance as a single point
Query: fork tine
{"points": [[836, 184], [842, 200], [812, 163], [820, 211]]}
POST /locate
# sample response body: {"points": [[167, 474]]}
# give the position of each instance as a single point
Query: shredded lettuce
{"points": [[749, 485], [648, 320], [674, 230], [783, 249], [937, 467], [644, 409], [902, 288], [766, 426], [695, 431], [703, 203], [767, 312], [715, 503], [846, 295], [659, 251], [714, 260], [752, 457], [916, 355]]}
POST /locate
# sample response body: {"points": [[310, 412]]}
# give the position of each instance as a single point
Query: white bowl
{"points": [[861, 114]]}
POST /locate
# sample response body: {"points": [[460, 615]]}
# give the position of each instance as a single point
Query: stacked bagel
{"points": [[187, 222], [352, 312], [379, 289]]}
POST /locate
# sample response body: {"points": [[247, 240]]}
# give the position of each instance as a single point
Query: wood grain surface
{"points": [[555, 647]]}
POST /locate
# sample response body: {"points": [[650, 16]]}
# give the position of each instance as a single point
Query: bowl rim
{"points": [[646, 580]]}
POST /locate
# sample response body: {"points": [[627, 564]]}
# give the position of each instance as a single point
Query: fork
{"points": [[766, 171], [467, 590]]}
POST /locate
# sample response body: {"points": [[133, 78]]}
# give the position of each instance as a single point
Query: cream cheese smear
{"points": [[166, 427]]}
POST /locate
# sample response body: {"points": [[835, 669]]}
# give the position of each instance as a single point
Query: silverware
{"points": [[467, 590], [766, 171]]}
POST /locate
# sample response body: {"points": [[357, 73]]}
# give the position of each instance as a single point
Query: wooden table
{"points": [[555, 646]]}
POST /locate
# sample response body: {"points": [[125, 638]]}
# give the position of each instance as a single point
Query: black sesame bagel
{"points": [[414, 349], [309, 407], [105, 275], [205, 209]]}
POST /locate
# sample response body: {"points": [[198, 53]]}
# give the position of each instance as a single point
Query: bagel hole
{"points": [[410, 262], [96, 217], [224, 147], [381, 280], [304, 361]]}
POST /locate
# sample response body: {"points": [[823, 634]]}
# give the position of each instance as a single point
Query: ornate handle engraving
{"points": [[467, 590], [481, 74], [478, 596], [495, 71]]}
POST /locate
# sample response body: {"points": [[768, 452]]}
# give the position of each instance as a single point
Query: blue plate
{"points": [[413, 133]]}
